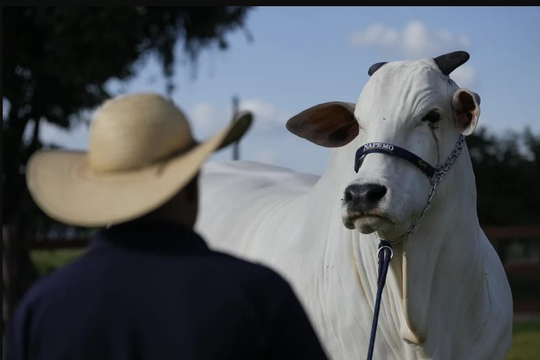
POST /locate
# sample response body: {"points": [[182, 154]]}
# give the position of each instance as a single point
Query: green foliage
{"points": [[525, 342], [525, 287], [57, 61], [59, 58], [507, 171], [46, 261]]}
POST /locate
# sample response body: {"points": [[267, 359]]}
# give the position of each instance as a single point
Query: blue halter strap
{"points": [[389, 149]]}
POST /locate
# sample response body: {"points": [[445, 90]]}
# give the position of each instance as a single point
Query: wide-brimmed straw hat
{"points": [[141, 153]]}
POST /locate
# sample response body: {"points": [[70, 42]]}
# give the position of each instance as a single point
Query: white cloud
{"points": [[375, 34], [206, 118], [203, 116], [265, 114], [464, 76], [260, 108], [414, 40]]}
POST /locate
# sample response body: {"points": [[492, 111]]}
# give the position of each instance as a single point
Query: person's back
{"points": [[156, 291], [148, 287]]}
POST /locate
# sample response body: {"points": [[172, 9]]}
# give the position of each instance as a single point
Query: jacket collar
{"points": [[152, 237]]}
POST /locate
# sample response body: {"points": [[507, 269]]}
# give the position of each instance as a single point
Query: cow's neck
{"points": [[440, 261]]}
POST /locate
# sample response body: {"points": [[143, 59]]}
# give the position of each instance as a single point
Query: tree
{"points": [[507, 172], [56, 62]]}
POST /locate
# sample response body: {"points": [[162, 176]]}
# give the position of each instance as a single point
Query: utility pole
{"points": [[235, 146]]}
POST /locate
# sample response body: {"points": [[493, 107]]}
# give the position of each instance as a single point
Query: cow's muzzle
{"points": [[363, 199]]}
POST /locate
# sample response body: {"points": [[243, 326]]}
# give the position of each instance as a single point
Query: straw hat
{"points": [[141, 153]]}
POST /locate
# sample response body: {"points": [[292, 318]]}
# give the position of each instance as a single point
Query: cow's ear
{"points": [[467, 109], [331, 124]]}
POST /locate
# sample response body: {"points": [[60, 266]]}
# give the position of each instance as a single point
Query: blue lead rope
{"points": [[384, 254]]}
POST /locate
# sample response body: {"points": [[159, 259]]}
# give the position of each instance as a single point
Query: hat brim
{"points": [[64, 186]]}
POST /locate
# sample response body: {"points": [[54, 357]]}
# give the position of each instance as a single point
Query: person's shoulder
{"points": [[48, 285], [245, 264], [254, 272]]}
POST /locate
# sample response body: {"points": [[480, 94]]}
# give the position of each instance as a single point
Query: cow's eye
{"points": [[433, 116]]}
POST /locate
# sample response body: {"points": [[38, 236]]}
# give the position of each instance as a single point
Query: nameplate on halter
{"points": [[378, 145], [385, 148]]}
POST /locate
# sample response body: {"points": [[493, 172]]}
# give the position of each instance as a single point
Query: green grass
{"points": [[47, 261], [525, 342]]}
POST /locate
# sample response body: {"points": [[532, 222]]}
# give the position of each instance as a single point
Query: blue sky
{"points": [[302, 56]]}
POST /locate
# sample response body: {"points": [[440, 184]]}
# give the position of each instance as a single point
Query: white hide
{"points": [[446, 297]]}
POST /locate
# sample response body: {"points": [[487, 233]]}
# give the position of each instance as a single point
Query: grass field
{"points": [[47, 261], [525, 340]]}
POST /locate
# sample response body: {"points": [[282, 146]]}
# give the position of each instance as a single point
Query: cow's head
{"points": [[410, 104]]}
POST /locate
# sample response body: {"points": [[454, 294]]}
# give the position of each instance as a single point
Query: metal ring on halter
{"points": [[386, 247]]}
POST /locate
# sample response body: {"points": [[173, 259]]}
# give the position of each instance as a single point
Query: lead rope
{"points": [[385, 252]]}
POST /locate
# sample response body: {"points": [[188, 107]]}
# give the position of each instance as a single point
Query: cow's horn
{"points": [[451, 61], [375, 67]]}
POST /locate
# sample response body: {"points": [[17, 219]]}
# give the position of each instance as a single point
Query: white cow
{"points": [[447, 295]]}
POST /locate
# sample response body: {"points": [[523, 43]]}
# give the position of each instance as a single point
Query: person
{"points": [[148, 287]]}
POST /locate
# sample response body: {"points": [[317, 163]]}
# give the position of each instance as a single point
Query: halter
{"points": [[385, 252], [434, 175]]}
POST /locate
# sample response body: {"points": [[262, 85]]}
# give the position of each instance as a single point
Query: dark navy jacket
{"points": [[149, 291]]}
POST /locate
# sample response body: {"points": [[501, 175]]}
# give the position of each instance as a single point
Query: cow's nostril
{"points": [[367, 194], [375, 193], [348, 195]]}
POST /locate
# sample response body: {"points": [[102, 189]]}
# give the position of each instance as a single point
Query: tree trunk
{"points": [[9, 277], [19, 271]]}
